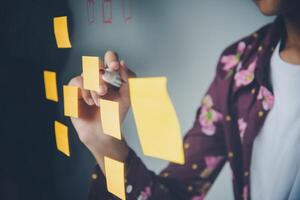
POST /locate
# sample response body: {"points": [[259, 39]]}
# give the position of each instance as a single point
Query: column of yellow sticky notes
{"points": [[90, 72], [110, 120], [71, 108], [61, 137], [50, 85], [61, 32], [114, 173]]}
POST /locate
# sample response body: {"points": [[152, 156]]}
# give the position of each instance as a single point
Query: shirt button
{"points": [[165, 174], [129, 189], [230, 154], [190, 188], [260, 113], [260, 48], [186, 145], [94, 176], [228, 118], [246, 173], [194, 166], [253, 91]]}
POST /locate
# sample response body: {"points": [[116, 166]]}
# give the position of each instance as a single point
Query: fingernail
{"points": [[90, 102], [102, 90], [114, 65], [123, 64], [97, 103]]}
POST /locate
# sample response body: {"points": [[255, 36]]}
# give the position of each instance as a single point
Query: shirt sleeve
{"points": [[205, 155]]}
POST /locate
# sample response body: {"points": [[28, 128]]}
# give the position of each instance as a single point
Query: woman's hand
{"points": [[88, 125]]}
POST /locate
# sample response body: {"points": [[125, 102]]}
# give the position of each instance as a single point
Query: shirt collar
{"points": [[262, 50], [265, 51]]}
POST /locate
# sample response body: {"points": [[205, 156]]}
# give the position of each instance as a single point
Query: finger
{"points": [[111, 60], [102, 83], [95, 98], [84, 94], [123, 71], [87, 97]]}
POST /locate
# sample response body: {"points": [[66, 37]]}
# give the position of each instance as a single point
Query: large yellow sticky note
{"points": [[50, 85], [114, 173], [110, 119], [90, 72], [61, 137], [61, 32], [156, 120], [71, 101]]}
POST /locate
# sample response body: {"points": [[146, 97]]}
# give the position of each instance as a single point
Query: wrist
{"points": [[110, 147]]}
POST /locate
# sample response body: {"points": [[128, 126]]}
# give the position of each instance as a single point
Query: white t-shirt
{"points": [[275, 164]]}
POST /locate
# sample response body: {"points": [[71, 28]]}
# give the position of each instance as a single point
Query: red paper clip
{"points": [[90, 7], [127, 10], [107, 11]]}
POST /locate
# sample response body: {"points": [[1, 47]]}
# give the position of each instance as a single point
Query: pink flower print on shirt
{"points": [[267, 98], [207, 119], [208, 116], [245, 76], [212, 161], [198, 197], [207, 101], [245, 192], [242, 127], [232, 60], [145, 194]]}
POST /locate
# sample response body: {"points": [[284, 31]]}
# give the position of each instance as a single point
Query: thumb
{"points": [[123, 71]]}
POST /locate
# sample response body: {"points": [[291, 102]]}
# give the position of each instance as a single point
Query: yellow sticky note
{"points": [[50, 85], [156, 120], [90, 72], [61, 32], [61, 137], [114, 173], [71, 101], [110, 119]]}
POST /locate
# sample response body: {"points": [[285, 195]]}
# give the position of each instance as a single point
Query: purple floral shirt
{"points": [[230, 116]]}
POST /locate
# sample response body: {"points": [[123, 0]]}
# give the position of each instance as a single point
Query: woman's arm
{"points": [[204, 146], [88, 126], [205, 156]]}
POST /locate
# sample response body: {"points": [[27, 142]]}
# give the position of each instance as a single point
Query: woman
{"points": [[253, 92]]}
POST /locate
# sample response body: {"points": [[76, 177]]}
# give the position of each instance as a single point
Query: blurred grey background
{"points": [[179, 39]]}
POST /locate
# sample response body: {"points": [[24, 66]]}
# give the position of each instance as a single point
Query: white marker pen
{"points": [[112, 77]]}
